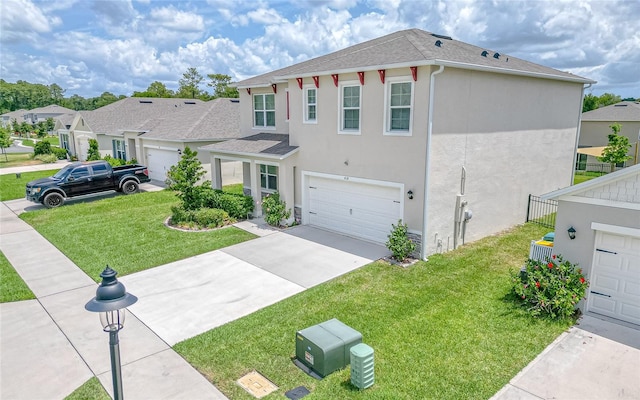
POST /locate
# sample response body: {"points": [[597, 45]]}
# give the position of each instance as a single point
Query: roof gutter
{"points": [[425, 211], [575, 147]]}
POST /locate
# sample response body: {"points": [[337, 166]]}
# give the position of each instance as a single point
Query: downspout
{"points": [[575, 149], [425, 218]]}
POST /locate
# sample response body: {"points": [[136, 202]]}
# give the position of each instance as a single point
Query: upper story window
{"points": [[350, 109], [311, 105], [398, 118], [264, 110]]}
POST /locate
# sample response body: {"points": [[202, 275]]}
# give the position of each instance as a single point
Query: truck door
{"points": [[102, 178], [78, 181]]}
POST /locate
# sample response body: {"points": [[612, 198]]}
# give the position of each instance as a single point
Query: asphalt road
{"points": [[16, 148]]}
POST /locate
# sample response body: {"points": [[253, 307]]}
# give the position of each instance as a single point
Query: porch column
{"points": [[216, 172], [286, 188], [256, 192]]}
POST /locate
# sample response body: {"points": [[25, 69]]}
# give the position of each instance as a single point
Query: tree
{"points": [[616, 151], [607, 99], [57, 93], [93, 153], [183, 178], [189, 84], [590, 102], [155, 89], [5, 140], [220, 84]]}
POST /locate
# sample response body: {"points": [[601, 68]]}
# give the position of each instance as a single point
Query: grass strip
{"points": [[12, 187], [12, 287]]}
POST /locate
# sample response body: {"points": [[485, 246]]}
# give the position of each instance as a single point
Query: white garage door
{"points": [[360, 209], [614, 290], [159, 161]]}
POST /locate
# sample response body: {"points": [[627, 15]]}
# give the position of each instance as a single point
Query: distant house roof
{"points": [[217, 119], [17, 114], [65, 119], [622, 111], [131, 113], [270, 145], [50, 109], [412, 47]]}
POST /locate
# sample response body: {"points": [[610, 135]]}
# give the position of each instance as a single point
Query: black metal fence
{"points": [[542, 212]]}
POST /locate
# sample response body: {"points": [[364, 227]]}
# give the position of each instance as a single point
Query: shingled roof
{"points": [[50, 109], [623, 111], [412, 47], [217, 119], [271, 145], [132, 112]]}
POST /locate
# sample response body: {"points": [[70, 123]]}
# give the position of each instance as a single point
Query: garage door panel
{"points": [[359, 209], [159, 161], [615, 277]]}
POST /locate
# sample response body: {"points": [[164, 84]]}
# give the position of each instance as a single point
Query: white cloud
{"points": [[22, 21], [174, 19]]}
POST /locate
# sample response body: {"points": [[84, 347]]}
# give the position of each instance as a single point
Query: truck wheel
{"points": [[53, 200], [130, 187]]}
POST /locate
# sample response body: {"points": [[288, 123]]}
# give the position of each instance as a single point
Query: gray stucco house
{"points": [[413, 126]]}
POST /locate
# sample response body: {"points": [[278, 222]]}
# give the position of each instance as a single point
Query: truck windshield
{"points": [[63, 172]]}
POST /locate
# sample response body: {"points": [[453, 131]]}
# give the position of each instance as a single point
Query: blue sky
{"points": [[121, 46]]}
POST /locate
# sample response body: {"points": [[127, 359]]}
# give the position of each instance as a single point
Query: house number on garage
{"points": [[346, 178]]}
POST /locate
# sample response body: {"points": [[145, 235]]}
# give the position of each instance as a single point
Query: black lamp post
{"points": [[110, 301]]}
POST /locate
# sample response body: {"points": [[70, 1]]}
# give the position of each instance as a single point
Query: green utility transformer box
{"points": [[325, 348]]}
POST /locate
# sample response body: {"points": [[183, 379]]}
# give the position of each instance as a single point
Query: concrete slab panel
{"points": [[164, 375], [583, 365], [37, 362], [510, 392], [19, 206], [299, 255], [84, 331], [45, 271], [185, 298]]}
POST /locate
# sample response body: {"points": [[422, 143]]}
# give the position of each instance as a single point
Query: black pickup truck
{"points": [[82, 178]]}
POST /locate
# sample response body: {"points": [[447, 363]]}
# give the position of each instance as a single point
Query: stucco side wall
{"points": [[580, 216], [370, 154], [515, 136]]}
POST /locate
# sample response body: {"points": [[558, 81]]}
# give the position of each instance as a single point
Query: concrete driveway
{"points": [[188, 297]]}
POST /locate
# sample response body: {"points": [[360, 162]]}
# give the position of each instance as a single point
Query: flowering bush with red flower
{"points": [[551, 288]]}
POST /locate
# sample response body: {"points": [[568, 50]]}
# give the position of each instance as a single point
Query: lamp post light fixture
{"points": [[572, 233], [110, 301]]}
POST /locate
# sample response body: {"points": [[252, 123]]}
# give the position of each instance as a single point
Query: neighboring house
{"points": [[595, 128], [18, 116], [605, 213], [413, 126], [43, 113], [61, 128], [154, 131]]}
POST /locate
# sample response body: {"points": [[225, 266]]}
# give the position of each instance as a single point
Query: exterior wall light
{"points": [[110, 301], [410, 194], [572, 233]]}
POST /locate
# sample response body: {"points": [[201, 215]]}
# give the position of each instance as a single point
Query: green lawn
{"points": [[54, 140], [12, 188], [125, 232], [446, 329], [12, 287], [91, 389], [17, 160]]}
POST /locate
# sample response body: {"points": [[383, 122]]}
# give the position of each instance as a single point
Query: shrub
{"points": [[399, 243], [237, 205], [184, 177], [201, 218], [552, 288], [274, 209], [114, 162], [46, 158], [93, 154], [42, 147], [60, 153]]}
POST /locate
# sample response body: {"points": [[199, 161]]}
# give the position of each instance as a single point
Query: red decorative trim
{"points": [[414, 73], [316, 80], [361, 77], [381, 72], [299, 82], [274, 87], [249, 91], [335, 79]]}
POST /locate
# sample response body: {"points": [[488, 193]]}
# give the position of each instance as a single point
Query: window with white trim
{"points": [[311, 105], [119, 150], [350, 109], [64, 141], [399, 107], [269, 177], [264, 110]]}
